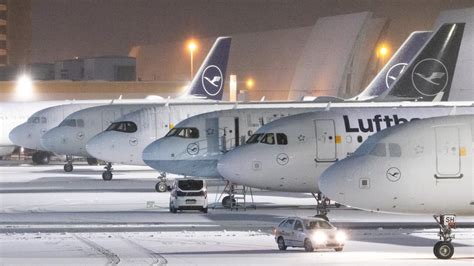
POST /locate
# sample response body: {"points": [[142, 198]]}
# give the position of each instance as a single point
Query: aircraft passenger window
{"points": [[394, 150], [359, 139], [379, 150], [255, 138], [269, 138], [282, 139], [80, 123], [44, 120]]}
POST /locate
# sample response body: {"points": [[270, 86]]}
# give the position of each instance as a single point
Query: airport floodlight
{"points": [[250, 83], [24, 88], [192, 46]]}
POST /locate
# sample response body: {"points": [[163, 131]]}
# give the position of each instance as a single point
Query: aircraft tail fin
{"points": [[395, 66], [208, 81], [431, 71]]}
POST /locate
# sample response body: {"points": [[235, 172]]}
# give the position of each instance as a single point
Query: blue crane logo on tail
{"points": [[212, 80], [429, 77]]}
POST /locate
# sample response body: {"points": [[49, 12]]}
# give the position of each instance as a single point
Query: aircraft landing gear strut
{"points": [[322, 206], [162, 185], [107, 174], [443, 249], [68, 167]]}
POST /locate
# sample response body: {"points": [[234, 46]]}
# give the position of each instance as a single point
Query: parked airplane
{"points": [[28, 134], [14, 113], [290, 154], [421, 167], [71, 136], [113, 145], [170, 154]]}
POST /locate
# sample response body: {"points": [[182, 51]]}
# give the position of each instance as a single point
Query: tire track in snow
{"points": [[156, 257], [112, 258]]}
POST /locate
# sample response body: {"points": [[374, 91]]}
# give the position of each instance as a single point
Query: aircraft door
{"points": [[447, 152], [212, 135], [325, 140], [228, 133], [108, 116]]}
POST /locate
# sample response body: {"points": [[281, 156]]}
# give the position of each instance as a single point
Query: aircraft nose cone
{"points": [[95, 147], [16, 135], [150, 154], [229, 167], [49, 141], [338, 182]]}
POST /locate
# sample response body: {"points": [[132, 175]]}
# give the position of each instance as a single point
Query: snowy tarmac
{"points": [[51, 217]]}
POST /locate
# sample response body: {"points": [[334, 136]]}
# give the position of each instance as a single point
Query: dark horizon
{"points": [[64, 29]]}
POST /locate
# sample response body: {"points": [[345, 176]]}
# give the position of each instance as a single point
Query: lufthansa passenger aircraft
{"points": [[72, 134], [113, 145], [316, 140], [421, 167], [28, 134], [13, 114], [171, 154]]}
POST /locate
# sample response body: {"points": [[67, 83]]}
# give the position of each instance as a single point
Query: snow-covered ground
{"points": [[49, 217]]}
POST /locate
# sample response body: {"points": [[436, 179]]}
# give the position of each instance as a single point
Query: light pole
{"points": [[192, 46]]}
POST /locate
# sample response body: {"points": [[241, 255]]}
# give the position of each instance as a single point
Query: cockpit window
{"points": [[125, 126], [34, 120], [72, 123], [394, 150], [282, 139], [68, 123], [255, 138], [379, 150], [269, 138], [184, 132]]}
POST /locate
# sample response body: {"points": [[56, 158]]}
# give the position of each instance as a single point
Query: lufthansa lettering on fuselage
{"points": [[377, 123]]}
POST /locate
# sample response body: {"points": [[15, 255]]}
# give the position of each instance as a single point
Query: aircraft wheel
{"points": [[281, 243], [308, 246], [338, 249], [43, 158], [338, 205], [34, 158], [68, 167], [443, 250], [227, 201], [161, 187], [107, 175]]}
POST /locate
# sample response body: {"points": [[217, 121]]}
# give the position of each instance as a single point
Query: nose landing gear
{"points": [[322, 206], [162, 185], [68, 167], [107, 174], [444, 249]]}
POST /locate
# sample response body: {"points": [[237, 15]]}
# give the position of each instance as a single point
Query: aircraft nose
{"points": [[26, 135], [50, 141], [229, 167], [150, 152], [337, 182], [17, 135], [96, 146]]}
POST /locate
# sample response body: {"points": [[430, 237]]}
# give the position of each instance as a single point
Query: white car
{"points": [[309, 233], [188, 194]]}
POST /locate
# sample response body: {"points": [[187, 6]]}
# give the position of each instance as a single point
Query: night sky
{"points": [[68, 28]]}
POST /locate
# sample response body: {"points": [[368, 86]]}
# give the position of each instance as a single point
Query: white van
{"points": [[188, 194]]}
